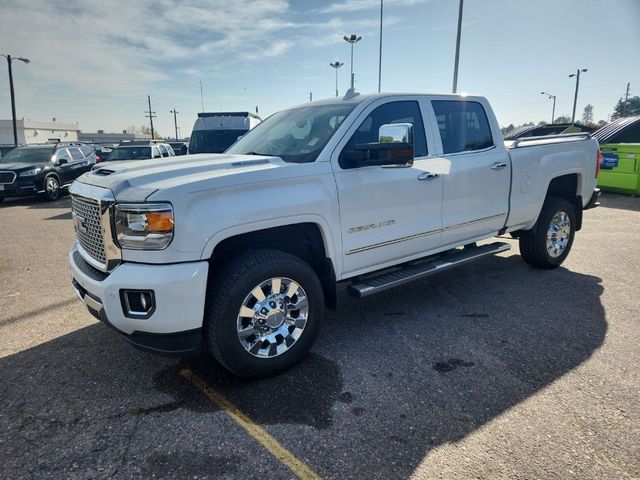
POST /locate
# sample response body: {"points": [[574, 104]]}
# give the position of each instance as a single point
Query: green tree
{"points": [[601, 123], [563, 119], [626, 109]]}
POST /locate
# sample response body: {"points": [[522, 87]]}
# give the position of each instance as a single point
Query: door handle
{"points": [[498, 165], [427, 176]]}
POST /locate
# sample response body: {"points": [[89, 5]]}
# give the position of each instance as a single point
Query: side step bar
{"points": [[414, 271]]}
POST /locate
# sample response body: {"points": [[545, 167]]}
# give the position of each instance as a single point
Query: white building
{"points": [[30, 132], [110, 138]]}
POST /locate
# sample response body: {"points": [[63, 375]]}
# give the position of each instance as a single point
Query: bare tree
{"points": [[587, 115]]}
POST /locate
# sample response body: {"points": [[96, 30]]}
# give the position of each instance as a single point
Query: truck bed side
{"points": [[536, 162]]}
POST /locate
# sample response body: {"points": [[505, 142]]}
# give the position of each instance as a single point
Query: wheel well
{"points": [[50, 174], [303, 240], [566, 187]]}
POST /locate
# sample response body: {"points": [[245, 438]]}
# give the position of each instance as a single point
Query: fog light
{"points": [[138, 303]]}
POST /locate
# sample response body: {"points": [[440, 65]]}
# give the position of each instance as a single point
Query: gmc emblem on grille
{"points": [[79, 223]]}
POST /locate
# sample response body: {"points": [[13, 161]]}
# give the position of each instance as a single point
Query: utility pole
{"points": [[575, 97], [151, 115], [336, 65], [311, 96], [626, 98], [380, 53], [175, 121], [457, 59], [13, 97]]}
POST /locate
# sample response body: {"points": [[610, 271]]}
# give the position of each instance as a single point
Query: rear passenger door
{"points": [[64, 164], [476, 187]]}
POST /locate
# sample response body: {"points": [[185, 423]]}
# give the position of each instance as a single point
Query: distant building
{"points": [[108, 138], [30, 132]]}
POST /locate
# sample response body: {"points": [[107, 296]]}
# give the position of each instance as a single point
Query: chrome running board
{"points": [[416, 270]]}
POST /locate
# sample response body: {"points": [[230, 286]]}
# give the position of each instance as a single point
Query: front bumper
{"points": [[22, 187], [179, 289]]}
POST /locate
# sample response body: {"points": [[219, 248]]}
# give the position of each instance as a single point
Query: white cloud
{"points": [[359, 5]]}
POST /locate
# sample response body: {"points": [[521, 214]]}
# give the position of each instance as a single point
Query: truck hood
{"points": [[137, 180]]}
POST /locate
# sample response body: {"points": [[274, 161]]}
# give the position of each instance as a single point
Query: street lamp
{"points": [[575, 98], [553, 111], [457, 58], [380, 53], [336, 65], [352, 39], [13, 97], [175, 121]]}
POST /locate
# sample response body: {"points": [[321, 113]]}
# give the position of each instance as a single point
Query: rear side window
{"points": [[76, 154], [463, 126], [86, 151]]}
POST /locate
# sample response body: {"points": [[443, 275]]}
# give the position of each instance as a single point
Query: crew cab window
{"points": [[163, 151], [463, 126], [155, 153], [393, 112], [76, 154]]}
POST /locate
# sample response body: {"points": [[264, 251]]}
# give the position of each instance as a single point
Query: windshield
{"points": [[28, 155], [130, 153], [297, 135], [213, 141]]}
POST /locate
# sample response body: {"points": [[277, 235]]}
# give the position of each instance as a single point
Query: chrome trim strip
{"points": [[464, 224], [391, 242], [12, 181], [468, 152]]}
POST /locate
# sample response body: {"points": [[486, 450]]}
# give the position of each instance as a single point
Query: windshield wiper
{"points": [[261, 154]]}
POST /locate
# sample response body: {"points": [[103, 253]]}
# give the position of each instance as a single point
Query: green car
{"points": [[620, 165]]}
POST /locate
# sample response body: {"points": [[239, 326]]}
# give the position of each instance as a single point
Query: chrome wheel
{"points": [[272, 317], [558, 234], [52, 188]]}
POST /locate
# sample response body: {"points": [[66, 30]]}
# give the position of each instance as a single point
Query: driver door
{"points": [[388, 214]]}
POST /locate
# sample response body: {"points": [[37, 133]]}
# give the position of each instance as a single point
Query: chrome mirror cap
{"points": [[396, 133]]}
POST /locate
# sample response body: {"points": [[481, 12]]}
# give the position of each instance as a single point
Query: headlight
{"points": [[144, 226], [30, 173]]}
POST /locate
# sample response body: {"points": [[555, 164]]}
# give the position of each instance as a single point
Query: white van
{"points": [[214, 132]]}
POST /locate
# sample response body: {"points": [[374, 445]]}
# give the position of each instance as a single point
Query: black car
{"points": [[43, 169], [180, 148]]}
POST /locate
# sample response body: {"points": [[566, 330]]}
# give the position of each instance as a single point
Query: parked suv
{"points": [[140, 150], [43, 169]]}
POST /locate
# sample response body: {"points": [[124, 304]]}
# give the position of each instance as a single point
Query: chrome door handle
{"points": [[498, 165], [427, 176]]}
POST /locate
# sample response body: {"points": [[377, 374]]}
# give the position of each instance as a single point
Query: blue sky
{"points": [[93, 61]]}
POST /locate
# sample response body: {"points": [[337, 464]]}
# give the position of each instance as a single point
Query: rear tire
{"points": [[263, 313], [548, 244]]}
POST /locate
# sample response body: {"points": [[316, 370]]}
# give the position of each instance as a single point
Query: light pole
{"points": [[457, 59], [380, 54], [575, 98], [352, 39], [175, 121], [553, 110], [336, 65], [13, 96]]}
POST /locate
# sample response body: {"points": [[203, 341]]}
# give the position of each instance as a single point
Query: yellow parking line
{"points": [[258, 433]]}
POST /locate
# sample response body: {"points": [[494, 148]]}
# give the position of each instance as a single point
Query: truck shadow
{"points": [[402, 373], [620, 201]]}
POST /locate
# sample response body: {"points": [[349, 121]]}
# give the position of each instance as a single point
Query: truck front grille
{"points": [[88, 225], [7, 177]]}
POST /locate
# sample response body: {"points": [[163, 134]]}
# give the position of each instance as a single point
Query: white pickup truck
{"points": [[239, 253]]}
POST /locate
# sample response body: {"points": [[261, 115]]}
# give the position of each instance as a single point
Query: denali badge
{"points": [[79, 223], [371, 226]]}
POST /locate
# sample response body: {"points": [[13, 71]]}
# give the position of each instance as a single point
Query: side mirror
{"points": [[396, 133], [394, 147]]}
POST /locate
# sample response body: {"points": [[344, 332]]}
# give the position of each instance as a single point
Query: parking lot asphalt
{"points": [[493, 370]]}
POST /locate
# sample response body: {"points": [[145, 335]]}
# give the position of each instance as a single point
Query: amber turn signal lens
{"points": [[159, 221]]}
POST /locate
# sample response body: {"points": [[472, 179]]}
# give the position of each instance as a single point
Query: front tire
{"points": [[52, 188], [263, 313], [549, 243]]}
